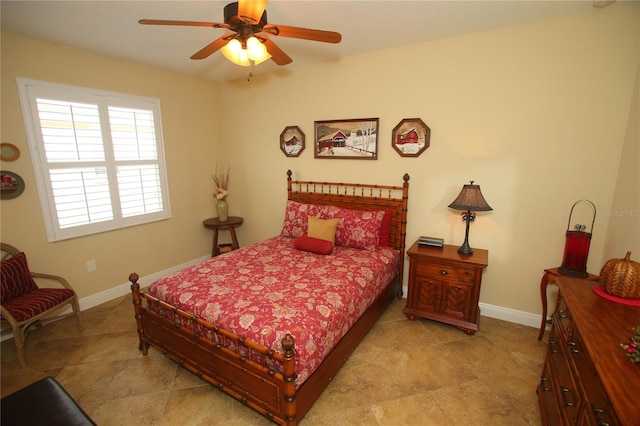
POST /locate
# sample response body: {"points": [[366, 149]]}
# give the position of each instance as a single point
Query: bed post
{"points": [[403, 229], [137, 305], [289, 187], [289, 376]]}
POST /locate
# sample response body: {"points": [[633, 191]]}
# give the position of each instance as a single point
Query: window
{"points": [[97, 156]]}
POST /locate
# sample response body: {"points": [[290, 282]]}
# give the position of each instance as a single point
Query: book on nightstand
{"points": [[430, 241]]}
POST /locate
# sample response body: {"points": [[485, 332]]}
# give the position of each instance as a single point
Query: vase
{"points": [[223, 210]]}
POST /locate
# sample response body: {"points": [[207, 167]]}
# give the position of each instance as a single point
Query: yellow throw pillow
{"points": [[323, 229]]}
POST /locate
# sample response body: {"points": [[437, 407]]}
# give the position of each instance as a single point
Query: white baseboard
{"points": [[511, 315], [125, 288], [505, 314]]}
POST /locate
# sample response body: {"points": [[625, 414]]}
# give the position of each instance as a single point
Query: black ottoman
{"points": [[44, 402]]}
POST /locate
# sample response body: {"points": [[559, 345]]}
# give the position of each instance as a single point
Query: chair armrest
{"points": [[6, 315], [51, 277]]}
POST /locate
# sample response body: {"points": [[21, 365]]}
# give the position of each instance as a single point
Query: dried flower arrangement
{"points": [[221, 178]]}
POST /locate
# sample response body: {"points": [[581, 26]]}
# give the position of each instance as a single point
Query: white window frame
{"points": [[29, 90]]}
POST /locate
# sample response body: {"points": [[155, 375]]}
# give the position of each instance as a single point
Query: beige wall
{"points": [[538, 115], [190, 128], [623, 233]]}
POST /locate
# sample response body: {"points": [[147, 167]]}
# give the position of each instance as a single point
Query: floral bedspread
{"points": [[268, 289]]}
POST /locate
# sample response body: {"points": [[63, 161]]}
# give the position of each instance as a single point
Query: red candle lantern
{"points": [[576, 247]]}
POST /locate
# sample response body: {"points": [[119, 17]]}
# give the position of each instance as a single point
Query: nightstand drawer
{"points": [[446, 272]]}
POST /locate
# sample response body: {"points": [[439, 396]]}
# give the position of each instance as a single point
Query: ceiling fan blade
{"points": [[182, 23], [303, 33], [212, 47], [277, 55], [251, 10]]}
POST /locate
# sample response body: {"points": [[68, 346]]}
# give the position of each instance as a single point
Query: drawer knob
{"points": [[573, 347], [543, 384], [565, 391], [443, 272], [596, 412]]}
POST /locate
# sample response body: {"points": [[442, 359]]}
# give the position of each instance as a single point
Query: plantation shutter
{"points": [[98, 158]]}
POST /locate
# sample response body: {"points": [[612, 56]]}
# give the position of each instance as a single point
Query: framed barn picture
{"points": [[411, 137], [355, 139], [292, 141]]}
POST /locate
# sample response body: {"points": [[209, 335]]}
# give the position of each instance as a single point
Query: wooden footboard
{"points": [[247, 372], [259, 377]]}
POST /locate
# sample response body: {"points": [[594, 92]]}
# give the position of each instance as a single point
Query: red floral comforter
{"points": [[268, 289]]}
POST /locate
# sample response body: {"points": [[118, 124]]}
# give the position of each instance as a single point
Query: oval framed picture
{"points": [[11, 185], [9, 152]]}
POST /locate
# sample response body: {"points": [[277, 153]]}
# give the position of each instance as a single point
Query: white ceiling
{"points": [[110, 27]]}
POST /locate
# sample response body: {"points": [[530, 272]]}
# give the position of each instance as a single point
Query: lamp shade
{"points": [[470, 199], [255, 52]]}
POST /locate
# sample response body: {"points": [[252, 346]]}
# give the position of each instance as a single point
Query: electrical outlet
{"points": [[91, 265]]}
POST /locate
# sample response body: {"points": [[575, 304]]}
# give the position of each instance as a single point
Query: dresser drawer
{"points": [[547, 398], [565, 387], [598, 408], [562, 316], [447, 272]]}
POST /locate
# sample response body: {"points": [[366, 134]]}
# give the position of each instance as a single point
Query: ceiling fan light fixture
{"points": [[244, 19], [255, 52]]}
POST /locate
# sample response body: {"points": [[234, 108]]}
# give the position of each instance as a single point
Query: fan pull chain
{"points": [[251, 64]]}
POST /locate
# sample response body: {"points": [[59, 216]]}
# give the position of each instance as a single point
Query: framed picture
{"points": [[353, 139], [411, 137], [292, 141]]}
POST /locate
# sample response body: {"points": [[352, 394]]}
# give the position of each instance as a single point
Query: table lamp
{"points": [[469, 200]]}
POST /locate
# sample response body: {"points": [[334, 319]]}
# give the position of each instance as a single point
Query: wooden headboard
{"points": [[359, 196]]}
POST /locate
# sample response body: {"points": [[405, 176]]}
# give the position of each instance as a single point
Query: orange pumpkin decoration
{"points": [[620, 277]]}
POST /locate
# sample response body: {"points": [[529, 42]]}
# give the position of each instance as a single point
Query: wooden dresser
{"points": [[587, 378]]}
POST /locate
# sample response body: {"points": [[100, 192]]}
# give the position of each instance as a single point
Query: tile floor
{"points": [[403, 373]]}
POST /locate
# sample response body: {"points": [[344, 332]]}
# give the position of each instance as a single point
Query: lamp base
{"points": [[465, 248]]}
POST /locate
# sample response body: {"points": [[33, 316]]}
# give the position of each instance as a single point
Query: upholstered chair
{"points": [[24, 304]]}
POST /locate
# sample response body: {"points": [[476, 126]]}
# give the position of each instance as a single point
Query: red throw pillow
{"points": [[385, 229], [313, 245], [357, 228], [16, 278], [295, 218]]}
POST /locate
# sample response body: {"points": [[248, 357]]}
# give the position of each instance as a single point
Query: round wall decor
{"points": [[11, 185], [9, 152]]}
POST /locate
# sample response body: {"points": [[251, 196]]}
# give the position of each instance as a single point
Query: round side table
{"points": [[229, 225]]}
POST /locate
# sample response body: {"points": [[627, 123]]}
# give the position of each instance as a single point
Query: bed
{"points": [[278, 358]]}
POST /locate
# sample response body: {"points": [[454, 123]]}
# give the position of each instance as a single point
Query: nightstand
{"points": [[444, 285]]}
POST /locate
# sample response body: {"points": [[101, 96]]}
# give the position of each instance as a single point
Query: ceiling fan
{"points": [[248, 44]]}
